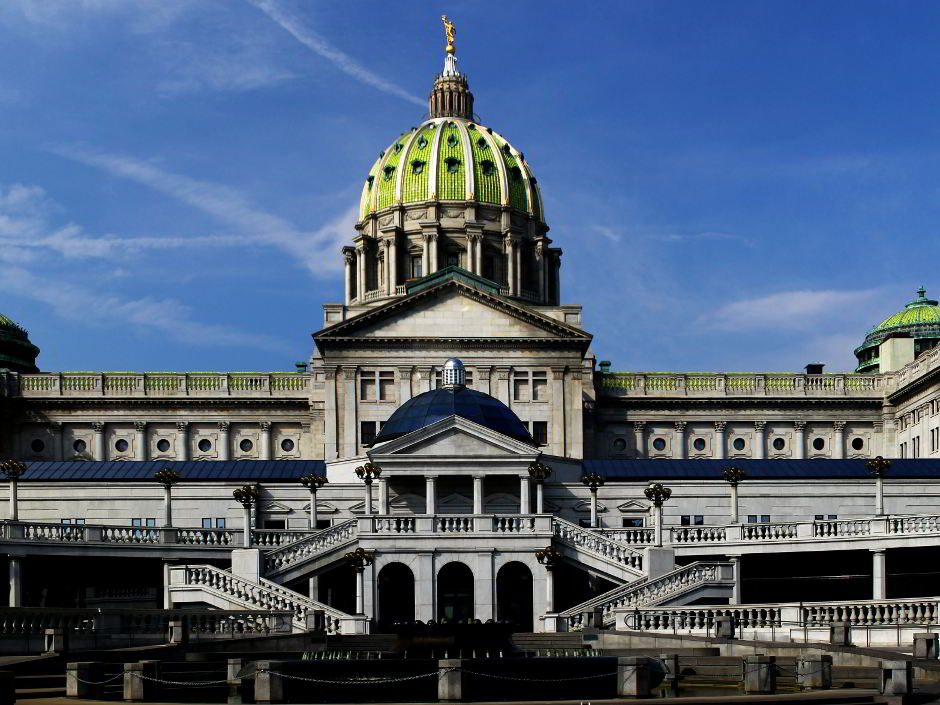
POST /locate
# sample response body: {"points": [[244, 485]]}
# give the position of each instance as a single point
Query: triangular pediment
{"points": [[633, 506], [454, 436], [452, 310]]}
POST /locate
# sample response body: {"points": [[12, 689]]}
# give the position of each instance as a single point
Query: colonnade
{"points": [[430, 495]]}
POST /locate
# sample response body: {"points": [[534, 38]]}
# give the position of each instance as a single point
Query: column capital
{"points": [[223, 425], [639, 426], [680, 426], [349, 255], [759, 426], [346, 373], [329, 373], [424, 372], [483, 371], [265, 425], [838, 425], [720, 426], [98, 426], [799, 425], [558, 372], [182, 426], [140, 426], [502, 373], [54, 427], [405, 370], [877, 550]]}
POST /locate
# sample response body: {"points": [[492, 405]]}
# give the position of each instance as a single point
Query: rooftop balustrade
{"points": [[160, 384], [665, 384]]}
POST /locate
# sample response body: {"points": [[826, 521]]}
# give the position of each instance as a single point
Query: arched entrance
{"points": [[455, 593], [514, 595], [396, 594]]}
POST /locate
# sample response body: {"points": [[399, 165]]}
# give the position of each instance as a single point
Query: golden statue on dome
{"points": [[451, 34]]}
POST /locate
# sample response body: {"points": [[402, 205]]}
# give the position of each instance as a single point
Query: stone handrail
{"points": [[606, 549], [263, 595], [639, 536], [633, 384], [309, 547], [648, 592], [384, 524], [163, 384]]}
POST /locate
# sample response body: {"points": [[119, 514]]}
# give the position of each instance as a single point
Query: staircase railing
{"points": [[599, 546], [309, 547]]}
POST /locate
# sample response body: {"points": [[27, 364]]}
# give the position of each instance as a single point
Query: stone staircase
{"points": [[598, 552], [308, 553]]}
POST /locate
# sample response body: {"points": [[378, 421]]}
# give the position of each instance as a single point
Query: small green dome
{"points": [[920, 319], [451, 159]]}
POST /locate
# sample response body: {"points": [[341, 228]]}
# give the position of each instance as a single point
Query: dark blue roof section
{"points": [[196, 470], [429, 407], [645, 469]]}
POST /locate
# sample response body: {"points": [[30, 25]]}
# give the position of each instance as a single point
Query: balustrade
{"points": [[164, 384], [669, 384], [638, 536], [311, 546], [592, 542]]}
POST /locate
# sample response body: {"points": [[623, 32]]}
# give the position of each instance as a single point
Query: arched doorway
{"points": [[396, 594], [514, 595], [455, 593]]}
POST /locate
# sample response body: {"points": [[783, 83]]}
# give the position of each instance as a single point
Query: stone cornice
{"points": [[150, 403]]}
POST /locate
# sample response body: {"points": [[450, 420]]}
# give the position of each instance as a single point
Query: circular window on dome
{"points": [[205, 445], [779, 444], [487, 167], [422, 142], [80, 446], [858, 443], [451, 140], [620, 445], [246, 445], [659, 444], [482, 143], [738, 444], [417, 166], [38, 446], [287, 445], [699, 444], [121, 445], [453, 165], [163, 445], [818, 444]]}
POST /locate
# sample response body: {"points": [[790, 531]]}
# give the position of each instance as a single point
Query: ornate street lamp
{"points": [[167, 477], [733, 476], [13, 469], [247, 495], [878, 467], [593, 481], [657, 493], [366, 473], [549, 557], [313, 483], [539, 472], [358, 560]]}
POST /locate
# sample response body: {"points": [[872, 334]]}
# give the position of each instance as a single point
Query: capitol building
{"points": [[453, 450]]}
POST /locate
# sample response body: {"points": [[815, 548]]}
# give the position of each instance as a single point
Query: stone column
{"points": [[350, 427], [383, 495], [511, 265], [477, 494], [799, 439], [265, 450], [349, 258], [425, 254], [559, 437], [878, 574], [719, 450], [736, 574], [525, 493], [98, 427], [430, 495], [503, 382], [367, 502], [360, 271], [141, 449], [539, 496], [425, 379], [16, 582], [593, 507], [639, 439], [838, 439], [482, 380], [434, 248], [760, 440], [182, 440], [224, 452], [392, 259], [558, 278], [540, 270], [55, 429], [404, 385], [330, 414], [680, 440]]}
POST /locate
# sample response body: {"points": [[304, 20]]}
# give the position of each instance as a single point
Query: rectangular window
{"points": [[137, 522], [79, 522], [66, 521], [386, 386], [539, 386], [453, 259], [367, 386], [275, 524], [151, 522], [636, 523], [323, 523], [584, 523], [206, 523], [416, 266], [691, 520], [540, 432], [220, 523], [758, 518], [366, 432], [520, 386]]}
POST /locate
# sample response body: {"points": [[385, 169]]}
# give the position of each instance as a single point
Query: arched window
{"points": [[455, 593]]}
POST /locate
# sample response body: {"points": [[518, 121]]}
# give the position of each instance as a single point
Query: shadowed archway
{"points": [[514, 595], [396, 594], [455, 593]]}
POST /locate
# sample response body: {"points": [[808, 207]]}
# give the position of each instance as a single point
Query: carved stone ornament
{"points": [[140, 426], [799, 425], [417, 215], [386, 220], [98, 426], [453, 212], [720, 426], [489, 215]]}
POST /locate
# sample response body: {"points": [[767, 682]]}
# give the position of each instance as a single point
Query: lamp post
{"points": [[592, 481], [366, 473], [246, 496], [13, 469], [549, 557], [878, 466], [358, 560], [313, 483], [539, 472], [733, 476], [167, 477], [657, 493]]}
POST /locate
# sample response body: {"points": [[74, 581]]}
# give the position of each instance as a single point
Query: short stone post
{"points": [[177, 631], [449, 680], [56, 641], [269, 686], [136, 685], [671, 664], [316, 621], [814, 671], [594, 619], [840, 634], [638, 675], [724, 626], [7, 688], [926, 645], [897, 677], [760, 674], [81, 680], [233, 667]]}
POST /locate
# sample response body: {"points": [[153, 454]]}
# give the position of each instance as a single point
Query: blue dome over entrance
{"points": [[443, 403]]}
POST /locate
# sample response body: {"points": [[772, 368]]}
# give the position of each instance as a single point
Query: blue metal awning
{"points": [[194, 470]]}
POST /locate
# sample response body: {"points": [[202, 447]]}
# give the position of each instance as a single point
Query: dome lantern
{"points": [[453, 375], [450, 96]]}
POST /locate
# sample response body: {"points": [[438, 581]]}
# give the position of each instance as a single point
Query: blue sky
{"points": [[737, 186]]}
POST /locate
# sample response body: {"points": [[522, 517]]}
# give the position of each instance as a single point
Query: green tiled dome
{"points": [[920, 319], [16, 352], [451, 159]]}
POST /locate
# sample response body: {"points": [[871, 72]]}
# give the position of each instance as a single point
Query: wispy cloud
{"points": [[318, 250], [319, 44], [168, 317], [791, 310], [701, 237]]}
